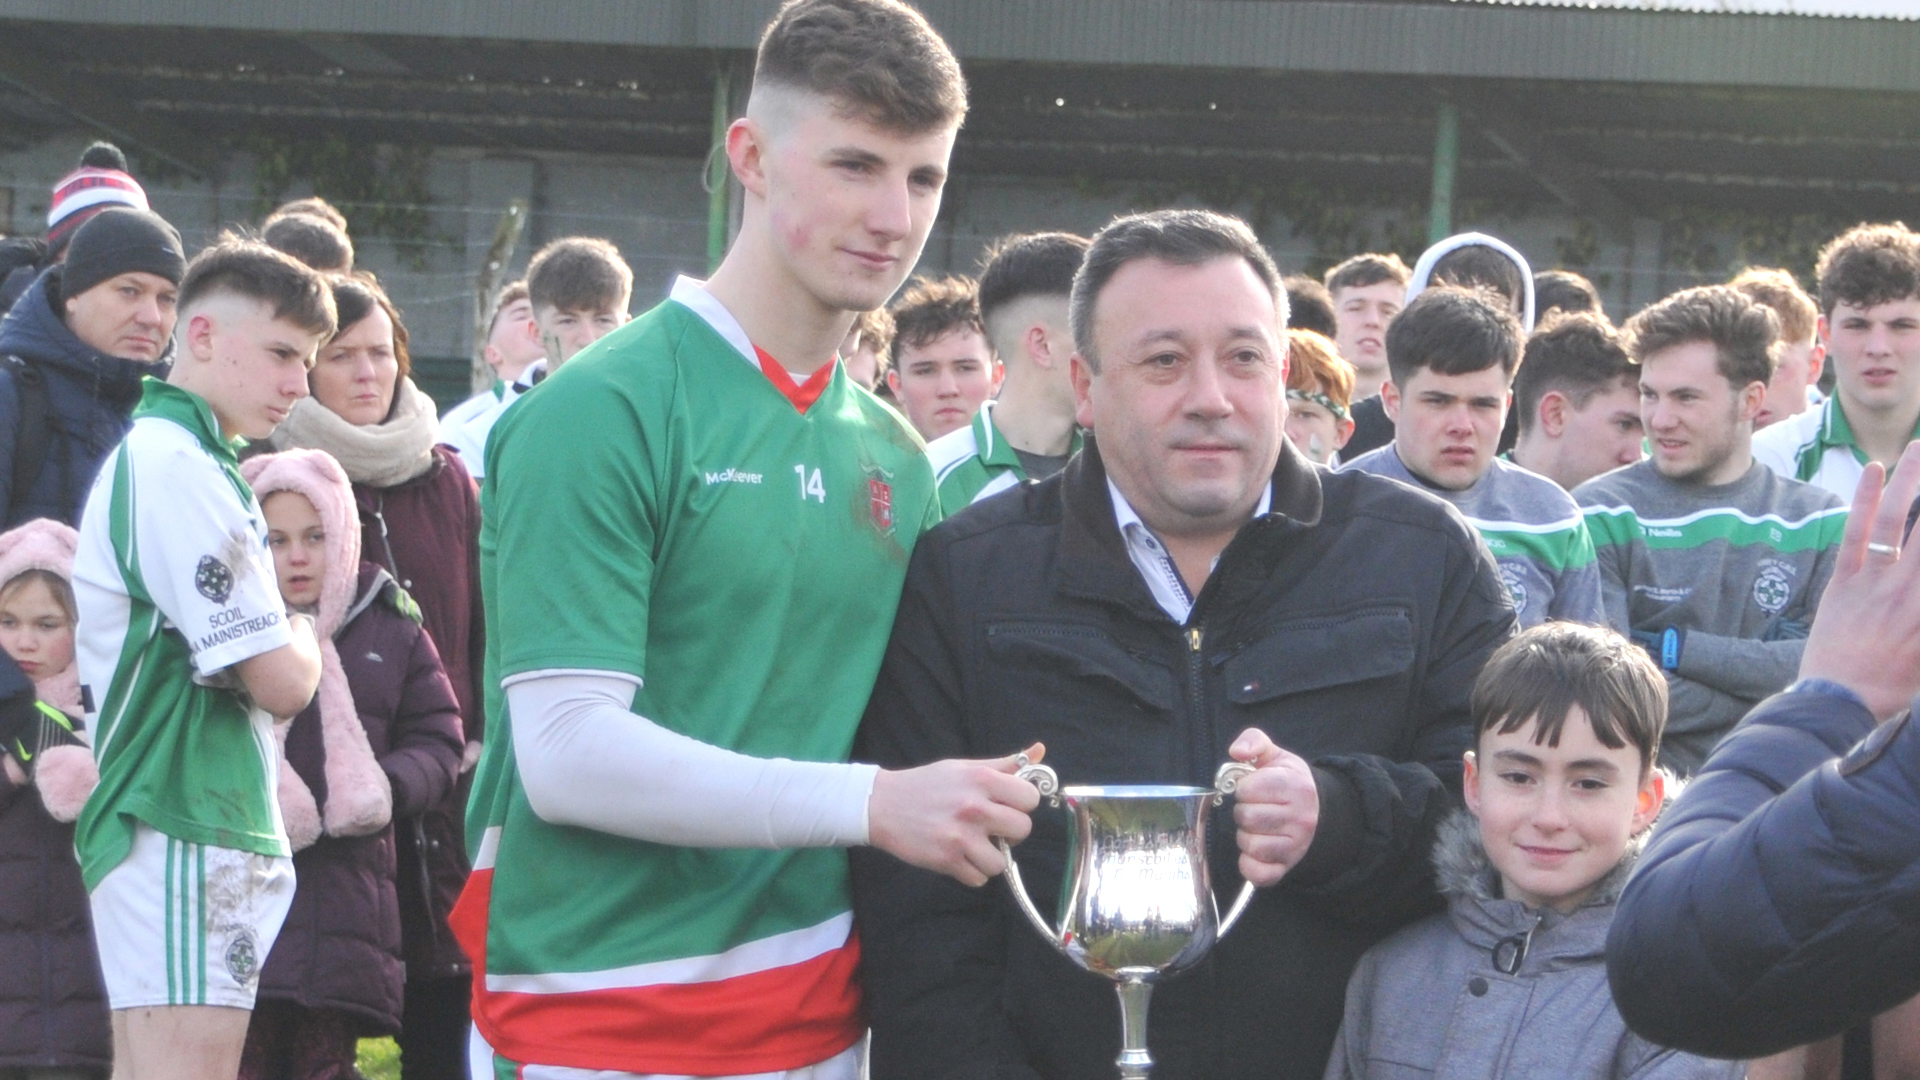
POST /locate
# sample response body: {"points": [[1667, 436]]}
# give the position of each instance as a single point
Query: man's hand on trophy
{"points": [[944, 816], [1275, 808]]}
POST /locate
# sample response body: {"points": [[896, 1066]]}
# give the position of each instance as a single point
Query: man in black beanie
{"points": [[72, 352]]}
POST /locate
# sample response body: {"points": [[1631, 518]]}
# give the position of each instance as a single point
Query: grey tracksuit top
{"points": [[1738, 568]]}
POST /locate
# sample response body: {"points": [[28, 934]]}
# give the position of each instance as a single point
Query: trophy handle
{"points": [[1225, 782], [1048, 783]]}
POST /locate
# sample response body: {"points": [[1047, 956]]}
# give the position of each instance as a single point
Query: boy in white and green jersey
{"points": [[694, 539], [1870, 323], [188, 656], [1710, 560], [1452, 356]]}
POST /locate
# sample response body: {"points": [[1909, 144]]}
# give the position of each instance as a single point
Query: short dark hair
{"points": [[1309, 305], [1869, 265], [1799, 318], [1366, 269], [1741, 329], [876, 330], [877, 59], [1477, 266], [1180, 237], [931, 308], [355, 296], [313, 240], [311, 206], [1577, 353], [579, 273], [1454, 331], [294, 291], [1564, 290], [1028, 264], [1544, 672], [510, 294]]}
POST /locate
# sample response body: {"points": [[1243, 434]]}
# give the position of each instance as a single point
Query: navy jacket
{"points": [[90, 397], [1778, 901]]}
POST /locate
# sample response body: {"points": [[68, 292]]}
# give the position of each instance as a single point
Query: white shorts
{"points": [[188, 924]]}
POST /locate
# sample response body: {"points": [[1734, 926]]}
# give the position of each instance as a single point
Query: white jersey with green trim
{"points": [[174, 586]]}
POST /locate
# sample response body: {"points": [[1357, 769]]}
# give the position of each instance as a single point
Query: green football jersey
{"points": [[174, 585], [661, 509]]}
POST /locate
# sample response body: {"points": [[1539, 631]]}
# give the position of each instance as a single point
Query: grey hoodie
{"points": [[1491, 990]]}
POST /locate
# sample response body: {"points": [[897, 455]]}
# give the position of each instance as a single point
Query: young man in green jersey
{"points": [[694, 541], [1869, 283], [1709, 559], [189, 658], [1027, 432]]}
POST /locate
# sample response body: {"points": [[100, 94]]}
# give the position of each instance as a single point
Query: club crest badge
{"points": [[1773, 587], [213, 579], [243, 958], [880, 504]]}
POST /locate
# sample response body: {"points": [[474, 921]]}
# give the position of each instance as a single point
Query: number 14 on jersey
{"points": [[810, 485]]}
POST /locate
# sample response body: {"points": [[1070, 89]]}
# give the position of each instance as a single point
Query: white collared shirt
{"points": [[1150, 556]]}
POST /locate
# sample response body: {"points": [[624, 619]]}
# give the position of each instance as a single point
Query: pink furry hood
{"points": [[65, 775], [314, 474], [359, 796]]}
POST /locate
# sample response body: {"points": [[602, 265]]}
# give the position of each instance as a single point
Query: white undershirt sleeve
{"points": [[586, 760]]}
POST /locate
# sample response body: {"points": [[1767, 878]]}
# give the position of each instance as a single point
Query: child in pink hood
{"points": [[53, 1007], [380, 743]]}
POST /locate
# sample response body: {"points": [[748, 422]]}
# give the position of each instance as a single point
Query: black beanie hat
{"points": [[122, 240]]}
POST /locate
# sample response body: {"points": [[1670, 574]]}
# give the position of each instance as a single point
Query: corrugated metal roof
{"points": [[1458, 39], [1841, 9]]}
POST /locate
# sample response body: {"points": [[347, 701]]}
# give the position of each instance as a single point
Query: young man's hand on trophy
{"points": [[1275, 810], [945, 816]]}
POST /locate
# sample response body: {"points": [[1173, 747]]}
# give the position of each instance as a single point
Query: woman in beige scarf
{"points": [[420, 521]]}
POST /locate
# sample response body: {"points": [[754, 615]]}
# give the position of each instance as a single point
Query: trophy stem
{"points": [[1135, 993]]}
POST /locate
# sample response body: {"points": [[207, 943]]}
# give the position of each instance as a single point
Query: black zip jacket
{"points": [[1348, 623]]}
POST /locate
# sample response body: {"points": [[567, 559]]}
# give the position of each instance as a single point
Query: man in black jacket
{"points": [[1188, 587]]}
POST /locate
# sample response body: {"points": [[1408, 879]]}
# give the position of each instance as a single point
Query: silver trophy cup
{"points": [[1137, 903]]}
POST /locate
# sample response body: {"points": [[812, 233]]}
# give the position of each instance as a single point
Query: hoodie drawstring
{"points": [[1510, 953]]}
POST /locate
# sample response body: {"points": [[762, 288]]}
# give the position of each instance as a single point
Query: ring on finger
{"points": [[1888, 550]]}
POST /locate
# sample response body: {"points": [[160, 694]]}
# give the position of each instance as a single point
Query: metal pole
{"points": [[719, 174], [1446, 162]]}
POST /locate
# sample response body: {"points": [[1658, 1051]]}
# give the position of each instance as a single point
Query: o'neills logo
{"points": [[733, 476]]}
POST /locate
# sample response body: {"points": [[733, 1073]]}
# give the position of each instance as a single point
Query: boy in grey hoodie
{"points": [[1511, 981]]}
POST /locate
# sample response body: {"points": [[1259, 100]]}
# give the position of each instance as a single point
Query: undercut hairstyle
{"points": [[876, 333], [1361, 271], [579, 273], [1544, 672], [1454, 331], [1180, 237], [1742, 330], [313, 240], [58, 587], [878, 60], [1028, 264], [932, 308], [311, 206], [1315, 366], [1777, 289], [1577, 353], [1869, 265], [510, 294], [292, 290], [355, 296], [1564, 290], [1477, 266], [1309, 305]]}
